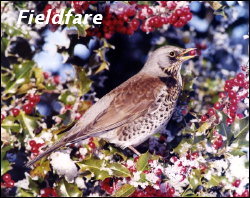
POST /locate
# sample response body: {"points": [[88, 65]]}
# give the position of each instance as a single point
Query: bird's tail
{"points": [[45, 153]]}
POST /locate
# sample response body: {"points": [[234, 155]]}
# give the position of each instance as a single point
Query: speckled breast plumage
{"points": [[155, 120]]}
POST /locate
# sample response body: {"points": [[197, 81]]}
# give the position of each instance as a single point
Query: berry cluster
{"points": [[147, 17], [244, 194], [48, 192], [235, 91], [33, 99], [35, 147], [81, 6], [8, 182], [218, 141], [53, 12], [149, 191], [108, 185]]}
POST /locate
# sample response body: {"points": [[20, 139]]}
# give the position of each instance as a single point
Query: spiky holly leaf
{"points": [[22, 73], [41, 170], [95, 166], [67, 97], [28, 123], [65, 189], [125, 191], [240, 128], [195, 179], [224, 129], [142, 163], [10, 124], [119, 170], [5, 166], [82, 82]]}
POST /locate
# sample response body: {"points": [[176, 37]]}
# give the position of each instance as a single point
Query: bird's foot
{"points": [[134, 150]]}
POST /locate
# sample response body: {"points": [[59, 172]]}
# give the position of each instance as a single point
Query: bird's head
{"points": [[166, 60]]}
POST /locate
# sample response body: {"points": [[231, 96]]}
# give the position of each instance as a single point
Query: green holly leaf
{"points": [[38, 72], [65, 189], [67, 98], [82, 82], [240, 128], [119, 170], [22, 74], [224, 129], [10, 124], [5, 166], [94, 166], [195, 179], [183, 146], [41, 170], [215, 180], [28, 123], [25, 193], [237, 152], [142, 163], [125, 191]]}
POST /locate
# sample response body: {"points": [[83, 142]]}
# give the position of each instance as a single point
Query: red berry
{"points": [[32, 143], [135, 24], [158, 172], [217, 105], [189, 16], [146, 171], [245, 193], [149, 11], [178, 12], [217, 144], [236, 183], [229, 121], [211, 112], [240, 76], [7, 177], [10, 184], [234, 101], [204, 118], [27, 108], [228, 84], [35, 149], [233, 108], [192, 53], [34, 98], [171, 191], [194, 155], [15, 111], [173, 159], [246, 85], [46, 75], [232, 94], [136, 159], [2, 117], [56, 79], [92, 145], [222, 95]]}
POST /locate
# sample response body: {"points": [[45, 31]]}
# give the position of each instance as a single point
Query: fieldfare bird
{"points": [[135, 110]]}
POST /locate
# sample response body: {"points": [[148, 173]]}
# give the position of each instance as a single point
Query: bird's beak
{"points": [[182, 56]]}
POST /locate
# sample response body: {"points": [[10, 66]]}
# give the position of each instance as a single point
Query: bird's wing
{"points": [[130, 100]]}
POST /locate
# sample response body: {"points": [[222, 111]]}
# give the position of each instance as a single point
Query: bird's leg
{"points": [[135, 151]]}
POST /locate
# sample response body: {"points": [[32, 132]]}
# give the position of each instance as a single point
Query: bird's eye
{"points": [[172, 54]]}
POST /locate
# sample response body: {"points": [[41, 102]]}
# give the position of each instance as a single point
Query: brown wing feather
{"points": [[132, 99]]}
